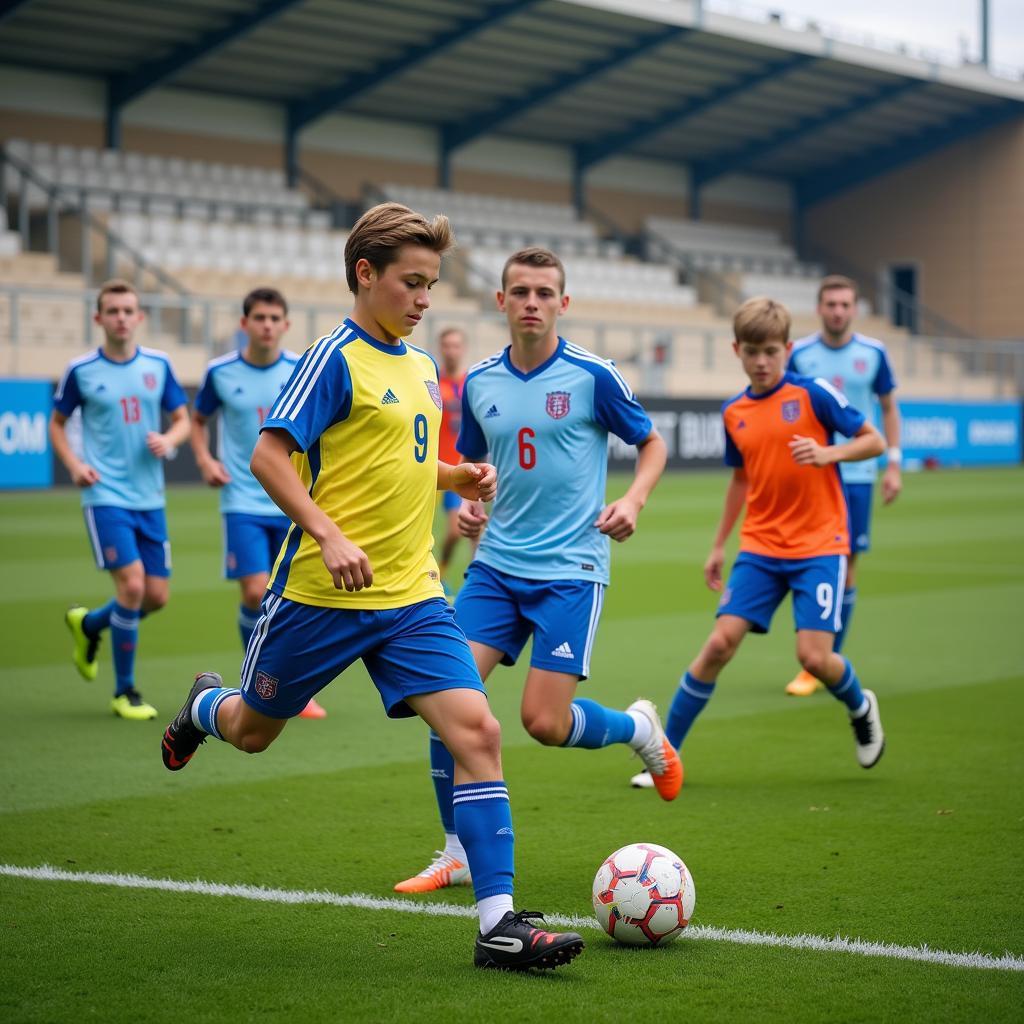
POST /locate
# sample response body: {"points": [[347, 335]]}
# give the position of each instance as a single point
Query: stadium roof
{"points": [[653, 78]]}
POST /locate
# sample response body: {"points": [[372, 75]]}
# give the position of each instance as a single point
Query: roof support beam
{"points": [[743, 156], [127, 87], [456, 135], [308, 109], [611, 144], [847, 174]]}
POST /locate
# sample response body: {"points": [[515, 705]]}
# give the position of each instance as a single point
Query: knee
{"points": [[131, 591], [252, 596], [720, 647], [815, 662], [545, 728], [254, 743], [156, 600]]}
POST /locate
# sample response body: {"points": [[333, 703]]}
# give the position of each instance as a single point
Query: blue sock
{"points": [[687, 704], [206, 705], [124, 638], [849, 600], [595, 726], [247, 619], [98, 619], [848, 690], [483, 820], [442, 772]]}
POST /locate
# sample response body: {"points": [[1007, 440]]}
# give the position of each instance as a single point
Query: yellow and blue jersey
{"points": [[121, 403], [366, 417], [244, 394]]}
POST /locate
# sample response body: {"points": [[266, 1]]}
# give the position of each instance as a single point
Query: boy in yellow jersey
{"points": [[349, 454]]}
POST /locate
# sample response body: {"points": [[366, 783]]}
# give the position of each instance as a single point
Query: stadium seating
{"points": [[135, 182]]}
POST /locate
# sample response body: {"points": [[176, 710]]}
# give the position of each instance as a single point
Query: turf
{"points": [[780, 828]]}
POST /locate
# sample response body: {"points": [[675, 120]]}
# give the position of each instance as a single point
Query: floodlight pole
{"points": [[984, 32]]}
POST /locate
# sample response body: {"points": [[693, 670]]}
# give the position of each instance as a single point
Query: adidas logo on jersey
{"points": [[491, 413], [389, 398], [563, 651]]}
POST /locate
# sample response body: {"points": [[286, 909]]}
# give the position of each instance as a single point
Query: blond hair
{"points": [[835, 281], [384, 229], [115, 286], [534, 256], [761, 319]]}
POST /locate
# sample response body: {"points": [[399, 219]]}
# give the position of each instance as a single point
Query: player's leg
{"points": [[295, 651], [425, 667], [817, 585]]}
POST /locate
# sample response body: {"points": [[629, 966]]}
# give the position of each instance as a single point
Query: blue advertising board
{"points": [[25, 459], [960, 433]]}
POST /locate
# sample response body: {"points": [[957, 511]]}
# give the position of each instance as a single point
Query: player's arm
{"points": [[735, 499], [82, 474], [214, 471], [867, 443], [161, 445], [618, 519], [892, 479], [272, 465]]}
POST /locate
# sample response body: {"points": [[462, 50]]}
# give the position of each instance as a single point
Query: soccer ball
{"points": [[644, 895]]}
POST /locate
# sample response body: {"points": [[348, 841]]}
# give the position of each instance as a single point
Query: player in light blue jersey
{"points": [[543, 409], [859, 367], [122, 390], [242, 386]]}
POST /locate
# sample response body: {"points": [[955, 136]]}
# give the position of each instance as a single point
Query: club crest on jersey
{"points": [[149, 379], [791, 410], [860, 365], [557, 404], [265, 686], [435, 392]]}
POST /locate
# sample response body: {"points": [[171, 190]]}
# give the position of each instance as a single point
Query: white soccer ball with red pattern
{"points": [[644, 895]]}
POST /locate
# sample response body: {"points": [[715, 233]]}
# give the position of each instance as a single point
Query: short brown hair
{"points": [[115, 286], [384, 229], [761, 319], [268, 296], [834, 281], [534, 256]]}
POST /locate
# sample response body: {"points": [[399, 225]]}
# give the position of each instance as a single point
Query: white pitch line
{"points": [[839, 944]]}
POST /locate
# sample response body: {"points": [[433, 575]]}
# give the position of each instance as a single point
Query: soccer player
{"points": [[543, 408], [349, 453], [122, 390], [243, 385], [857, 366], [452, 347], [780, 440]]}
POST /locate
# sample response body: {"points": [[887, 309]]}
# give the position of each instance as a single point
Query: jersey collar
{"points": [[115, 362], [506, 358], [786, 378], [391, 350]]}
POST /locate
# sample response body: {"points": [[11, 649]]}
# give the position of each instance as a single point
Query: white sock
{"points": [[862, 710], [492, 909], [454, 848], [642, 732]]}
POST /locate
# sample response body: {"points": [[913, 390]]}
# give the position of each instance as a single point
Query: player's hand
{"points": [[618, 520], [84, 475], [472, 519], [158, 444], [892, 484], [713, 568], [215, 473], [474, 481], [807, 452], [348, 565]]}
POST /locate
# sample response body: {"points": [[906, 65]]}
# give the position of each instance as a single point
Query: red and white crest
{"points": [[266, 686], [860, 365], [149, 379], [558, 404]]}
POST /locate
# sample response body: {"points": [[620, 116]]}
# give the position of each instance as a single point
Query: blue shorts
{"points": [[120, 536], [501, 611], [858, 502], [297, 649], [451, 501], [757, 585], [251, 543]]}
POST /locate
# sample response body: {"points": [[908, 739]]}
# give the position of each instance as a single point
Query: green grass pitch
{"points": [[781, 829]]}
